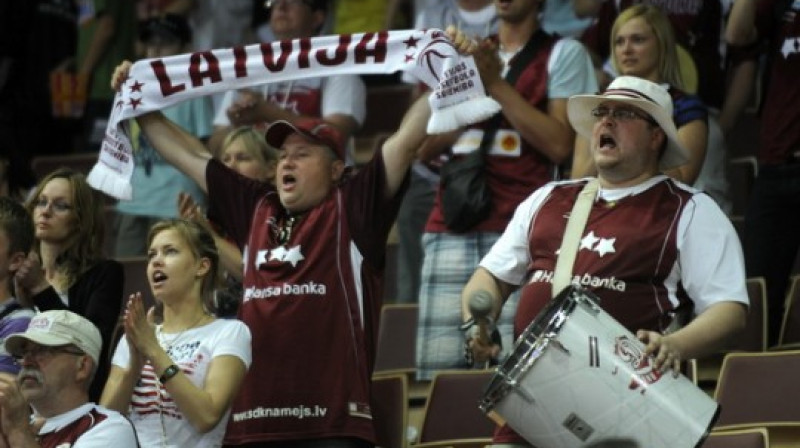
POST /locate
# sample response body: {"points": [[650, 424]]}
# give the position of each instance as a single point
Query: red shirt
{"points": [[311, 304]]}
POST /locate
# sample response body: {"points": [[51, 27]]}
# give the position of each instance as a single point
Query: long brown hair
{"points": [[85, 246]]}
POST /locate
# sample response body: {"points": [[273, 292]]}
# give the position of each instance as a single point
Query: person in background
{"points": [[106, 33], [58, 355], [643, 45], [154, 181], [668, 249], [176, 380], [771, 240], [16, 239], [246, 152], [477, 19], [66, 269], [531, 139], [338, 100]]}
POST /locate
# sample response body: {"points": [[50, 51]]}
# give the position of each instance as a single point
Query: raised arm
{"points": [[178, 147], [741, 29]]}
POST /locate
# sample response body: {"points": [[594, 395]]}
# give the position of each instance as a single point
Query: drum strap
{"points": [[576, 223]]}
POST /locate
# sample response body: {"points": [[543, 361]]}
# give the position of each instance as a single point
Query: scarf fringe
{"points": [[108, 181], [457, 115]]}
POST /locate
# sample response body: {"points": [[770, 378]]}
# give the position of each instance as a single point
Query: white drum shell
{"points": [[590, 384]]}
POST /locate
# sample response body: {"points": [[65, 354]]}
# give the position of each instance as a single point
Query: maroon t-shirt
{"points": [[633, 289], [780, 119], [311, 304], [512, 179]]}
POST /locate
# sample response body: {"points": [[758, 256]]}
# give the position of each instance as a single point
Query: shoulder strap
{"points": [[517, 65], [576, 224]]}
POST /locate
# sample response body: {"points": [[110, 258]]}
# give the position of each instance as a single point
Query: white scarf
{"points": [[458, 97]]}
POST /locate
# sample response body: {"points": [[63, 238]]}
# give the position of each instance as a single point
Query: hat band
{"points": [[629, 93]]}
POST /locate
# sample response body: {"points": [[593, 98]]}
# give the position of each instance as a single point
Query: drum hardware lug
{"points": [[578, 427], [557, 344], [514, 384]]}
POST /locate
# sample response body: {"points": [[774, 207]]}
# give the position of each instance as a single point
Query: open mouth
{"points": [[288, 180], [607, 142], [158, 278]]}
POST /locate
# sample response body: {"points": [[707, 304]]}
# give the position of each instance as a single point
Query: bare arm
{"points": [[741, 29], [480, 342], [737, 96], [694, 136], [582, 163], [705, 335], [483, 280], [103, 33], [400, 149], [586, 8], [549, 132], [203, 406]]}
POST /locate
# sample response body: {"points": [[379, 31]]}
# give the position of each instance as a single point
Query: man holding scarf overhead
{"points": [[314, 255]]}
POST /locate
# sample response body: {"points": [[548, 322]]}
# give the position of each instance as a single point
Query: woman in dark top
{"points": [[66, 269]]}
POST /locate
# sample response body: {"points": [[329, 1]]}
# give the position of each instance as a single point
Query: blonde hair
{"points": [[668, 67], [85, 247], [202, 245], [254, 143]]}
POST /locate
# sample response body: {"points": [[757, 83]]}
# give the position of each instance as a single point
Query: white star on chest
{"points": [[589, 241], [279, 253], [605, 246], [294, 256]]}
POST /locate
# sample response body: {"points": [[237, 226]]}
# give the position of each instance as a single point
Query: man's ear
{"points": [[337, 170], [15, 260], [85, 368]]}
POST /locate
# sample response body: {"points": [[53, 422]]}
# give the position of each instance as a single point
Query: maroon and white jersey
{"points": [[88, 426], [780, 115], [312, 305], [646, 251], [514, 168]]}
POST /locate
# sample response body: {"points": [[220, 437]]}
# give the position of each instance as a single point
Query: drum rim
{"points": [[545, 327]]}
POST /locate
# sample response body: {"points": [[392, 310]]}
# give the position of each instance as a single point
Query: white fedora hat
{"points": [[647, 96]]}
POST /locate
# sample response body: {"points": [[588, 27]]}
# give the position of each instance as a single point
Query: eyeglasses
{"points": [[58, 206], [621, 115], [276, 3], [41, 353]]}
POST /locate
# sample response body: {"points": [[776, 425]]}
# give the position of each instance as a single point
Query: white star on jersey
{"points": [[589, 241], [292, 255], [594, 243], [605, 246]]}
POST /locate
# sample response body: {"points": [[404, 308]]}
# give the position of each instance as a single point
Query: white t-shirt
{"points": [[156, 417], [108, 428]]}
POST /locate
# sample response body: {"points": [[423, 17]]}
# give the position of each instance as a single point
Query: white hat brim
{"points": [[579, 109]]}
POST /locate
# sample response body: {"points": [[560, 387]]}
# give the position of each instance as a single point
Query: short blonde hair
{"points": [[254, 143]]}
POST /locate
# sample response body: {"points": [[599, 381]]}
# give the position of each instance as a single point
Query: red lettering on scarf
{"points": [[305, 48], [240, 62], [269, 57], [340, 54], [164, 82], [196, 75], [378, 53]]}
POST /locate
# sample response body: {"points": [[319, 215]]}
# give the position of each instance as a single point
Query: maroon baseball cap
{"points": [[313, 129]]}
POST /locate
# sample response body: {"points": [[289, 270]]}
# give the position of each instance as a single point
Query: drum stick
{"points": [[480, 306]]}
